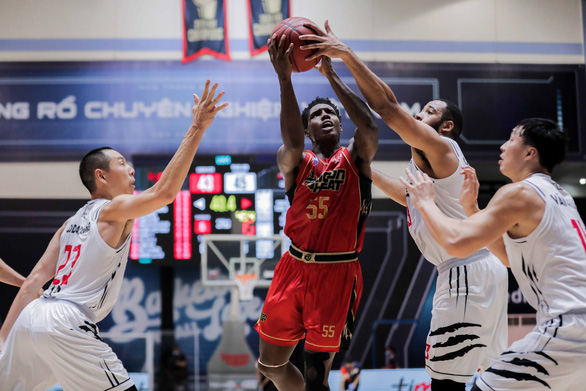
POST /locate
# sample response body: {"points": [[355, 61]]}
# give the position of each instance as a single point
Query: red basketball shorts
{"points": [[314, 300]]}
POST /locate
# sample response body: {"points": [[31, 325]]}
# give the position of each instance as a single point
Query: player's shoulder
{"points": [[108, 210], [518, 195], [522, 189]]}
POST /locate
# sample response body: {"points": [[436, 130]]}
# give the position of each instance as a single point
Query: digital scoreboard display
{"points": [[223, 194]]}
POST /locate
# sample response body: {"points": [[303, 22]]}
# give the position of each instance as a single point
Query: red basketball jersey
{"points": [[330, 202]]}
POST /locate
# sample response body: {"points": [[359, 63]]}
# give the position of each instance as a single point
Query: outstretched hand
{"points": [[420, 187], [205, 108], [325, 42], [325, 66], [469, 190], [280, 55]]}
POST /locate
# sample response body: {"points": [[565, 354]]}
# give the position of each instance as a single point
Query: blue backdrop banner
{"points": [[62, 110]]}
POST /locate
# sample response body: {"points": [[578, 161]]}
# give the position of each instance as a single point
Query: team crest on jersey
{"points": [[329, 180], [335, 159]]}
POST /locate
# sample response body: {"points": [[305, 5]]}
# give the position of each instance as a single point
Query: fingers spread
{"points": [[410, 176], [220, 95], [212, 93], [314, 27], [312, 37], [405, 183], [204, 95], [282, 43], [220, 108], [289, 49]]}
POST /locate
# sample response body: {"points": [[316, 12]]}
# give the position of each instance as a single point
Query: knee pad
{"points": [[315, 371], [447, 385]]}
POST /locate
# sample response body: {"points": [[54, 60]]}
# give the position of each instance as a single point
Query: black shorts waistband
{"points": [[322, 257]]}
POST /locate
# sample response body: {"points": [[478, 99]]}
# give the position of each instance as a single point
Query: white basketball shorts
{"points": [[53, 341], [550, 357], [469, 319]]}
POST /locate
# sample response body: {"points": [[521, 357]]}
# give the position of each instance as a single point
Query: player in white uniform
{"points": [[469, 322], [54, 338], [469, 317], [545, 240]]}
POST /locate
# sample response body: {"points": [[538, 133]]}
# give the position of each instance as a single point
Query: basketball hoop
{"points": [[246, 283]]}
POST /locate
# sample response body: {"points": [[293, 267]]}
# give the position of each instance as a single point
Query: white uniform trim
{"points": [[550, 263], [447, 194], [550, 267], [89, 271], [55, 338], [53, 341]]}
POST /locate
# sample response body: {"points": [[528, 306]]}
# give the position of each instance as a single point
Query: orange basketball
{"points": [[292, 28]]}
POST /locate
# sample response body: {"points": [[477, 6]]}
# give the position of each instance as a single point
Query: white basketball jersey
{"points": [[89, 272], [550, 263], [447, 198]]}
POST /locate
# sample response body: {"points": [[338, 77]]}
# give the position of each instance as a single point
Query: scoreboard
{"points": [[223, 194]]}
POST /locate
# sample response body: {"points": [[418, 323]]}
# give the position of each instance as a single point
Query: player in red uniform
{"points": [[317, 284]]}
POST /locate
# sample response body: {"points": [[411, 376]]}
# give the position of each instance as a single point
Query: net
{"points": [[246, 283]]}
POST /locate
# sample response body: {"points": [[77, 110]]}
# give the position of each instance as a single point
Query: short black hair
{"points": [[453, 113], [548, 138], [93, 160], [317, 101]]}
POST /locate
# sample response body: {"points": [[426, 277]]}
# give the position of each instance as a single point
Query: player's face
{"points": [[432, 114], [323, 123], [120, 174], [512, 153]]}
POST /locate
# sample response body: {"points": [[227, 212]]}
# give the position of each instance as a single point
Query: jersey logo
{"points": [[78, 229], [262, 317], [329, 180], [315, 161]]}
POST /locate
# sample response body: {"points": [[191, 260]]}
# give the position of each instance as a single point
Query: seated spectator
{"points": [[350, 375], [390, 361]]}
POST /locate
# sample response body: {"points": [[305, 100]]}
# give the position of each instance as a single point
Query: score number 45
{"points": [[318, 211]]}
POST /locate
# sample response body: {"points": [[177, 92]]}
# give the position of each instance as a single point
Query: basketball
{"points": [[293, 28]]}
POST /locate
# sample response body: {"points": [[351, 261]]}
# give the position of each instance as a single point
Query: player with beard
{"points": [[545, 240], [317, 284], [469, 320]]}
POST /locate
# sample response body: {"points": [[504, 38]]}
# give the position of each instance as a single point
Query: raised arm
{"points": [[392, 187], [126, 207], [378, 94], [461, 238], [10, 276], [366, 135], [43, 271], [290, 154]]}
